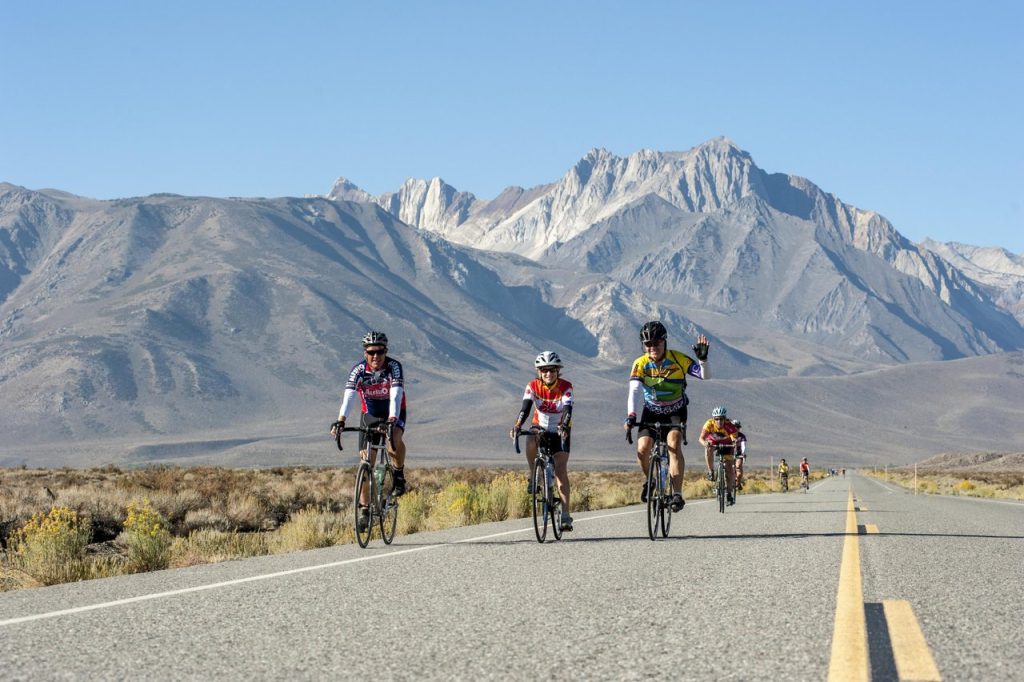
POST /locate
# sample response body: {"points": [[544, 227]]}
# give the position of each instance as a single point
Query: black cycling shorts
{"points": [[554, 442], [366, 420], [673, 421]]}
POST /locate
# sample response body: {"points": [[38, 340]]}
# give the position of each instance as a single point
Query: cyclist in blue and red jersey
{"points": [[380, 384], [657, 394], [552, 396], [741, 452]]}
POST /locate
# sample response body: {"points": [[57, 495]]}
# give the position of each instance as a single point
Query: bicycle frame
{"points": [[375, 473], [547, 504], [721, 487], [659, 483]]}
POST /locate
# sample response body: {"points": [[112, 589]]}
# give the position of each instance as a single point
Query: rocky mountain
{"points": [[169, 328], [713, 234], [994, 269]]}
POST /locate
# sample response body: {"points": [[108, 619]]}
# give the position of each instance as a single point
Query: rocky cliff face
{"points": [[708, 228]]}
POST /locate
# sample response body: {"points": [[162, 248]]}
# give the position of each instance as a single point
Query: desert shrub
{"points": [[212, 546], [199, 519], [245, 511], [506, 497], [457, 504], [966, 485], [50, 547], [311, 528], [413, 508], [146, 537]]}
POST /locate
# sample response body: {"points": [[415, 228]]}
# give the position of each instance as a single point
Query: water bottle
{"points": [[378, 473], [550, 473], [664, 474]]}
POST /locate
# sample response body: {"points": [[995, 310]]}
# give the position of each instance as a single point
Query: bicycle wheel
{"points": [[665, 513], [721, 486], [363, 476], [540, 505], [555, 505], [653, 497], [389, 507]]}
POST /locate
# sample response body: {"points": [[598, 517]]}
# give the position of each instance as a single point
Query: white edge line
{"points": [[277, 574]]}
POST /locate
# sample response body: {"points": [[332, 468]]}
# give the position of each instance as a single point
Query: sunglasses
{"points": [[652, 345], [548, 369], [372, 353]]}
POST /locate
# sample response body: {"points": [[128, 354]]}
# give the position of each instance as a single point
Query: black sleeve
{"points": [[566, 420], [524, 411]]}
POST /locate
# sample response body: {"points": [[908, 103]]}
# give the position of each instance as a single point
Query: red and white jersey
{"points": [[550, 402]]}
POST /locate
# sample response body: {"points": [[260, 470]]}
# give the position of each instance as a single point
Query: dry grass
{"points": [[158, 517], [1005, 485]]}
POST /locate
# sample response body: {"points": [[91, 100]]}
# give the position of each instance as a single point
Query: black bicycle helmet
{"points": [[653, 331], [375, 339]]}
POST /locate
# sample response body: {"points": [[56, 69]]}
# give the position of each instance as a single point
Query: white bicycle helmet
{"points": [[374, 338], [718, 412], [548, 358]]}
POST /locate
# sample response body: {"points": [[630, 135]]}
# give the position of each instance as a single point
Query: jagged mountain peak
{"points": [[346, 190]]}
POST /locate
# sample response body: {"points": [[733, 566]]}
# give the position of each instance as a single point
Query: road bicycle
{"points": [[546, 503], [805, 483], [378, 481], [659, 482], [784, 481], [723, 453]]}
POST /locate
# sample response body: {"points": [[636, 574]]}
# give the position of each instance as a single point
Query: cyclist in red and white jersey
{"points": [[552, 396]]}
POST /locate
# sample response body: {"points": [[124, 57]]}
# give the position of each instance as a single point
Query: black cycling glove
{"points": [[701, 349]]}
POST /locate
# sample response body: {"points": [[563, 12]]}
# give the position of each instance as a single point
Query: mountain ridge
{"points": [[169, 320]]}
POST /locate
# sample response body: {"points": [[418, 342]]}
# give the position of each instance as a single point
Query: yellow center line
{"points": [[909, 649], [871, 528], [849, 634]]}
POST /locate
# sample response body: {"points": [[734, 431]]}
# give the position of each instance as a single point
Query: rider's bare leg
{"points": [[562, 476], [675, 459], [396, 447]]}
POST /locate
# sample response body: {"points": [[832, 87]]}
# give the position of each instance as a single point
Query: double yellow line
{"points": [[849, 634]]}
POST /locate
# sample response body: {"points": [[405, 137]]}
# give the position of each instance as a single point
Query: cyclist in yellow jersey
{"points": [[720, 431], [657, 394], [784, 474]]}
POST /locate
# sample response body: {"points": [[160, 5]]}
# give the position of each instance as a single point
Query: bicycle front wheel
{"points": [[555, 507], [540, 505], [721, 487], [654, 503], [388, 507], [364, 476], [665, 513]]}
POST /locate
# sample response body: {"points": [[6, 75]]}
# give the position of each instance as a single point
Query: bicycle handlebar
{"points": [[382, 428], [532, 431], [657, 427]]}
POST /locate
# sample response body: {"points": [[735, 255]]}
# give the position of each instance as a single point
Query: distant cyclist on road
{"points": [[379, 382], [720, 431], [657, 394], [805, 471], [741, 453], [552, 397], [784, 474]]}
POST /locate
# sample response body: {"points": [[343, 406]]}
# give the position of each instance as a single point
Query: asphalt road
{"points": [[750, 594]]}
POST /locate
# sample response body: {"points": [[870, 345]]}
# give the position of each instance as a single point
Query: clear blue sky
{"points": [[912, 109]]}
